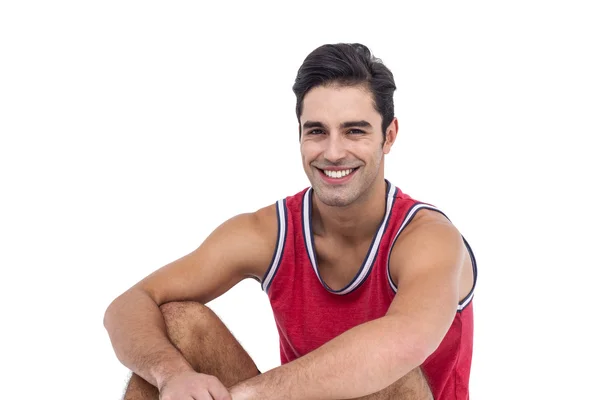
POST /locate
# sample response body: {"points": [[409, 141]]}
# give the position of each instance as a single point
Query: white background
{"points": [[130, 130]]}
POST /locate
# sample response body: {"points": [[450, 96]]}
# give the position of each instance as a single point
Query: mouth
{"points": [[337, 176]]}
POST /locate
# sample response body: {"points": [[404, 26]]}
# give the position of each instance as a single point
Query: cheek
{"points": [[367, 150], [309, 151]]}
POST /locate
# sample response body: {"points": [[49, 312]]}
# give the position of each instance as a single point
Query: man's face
{"points": [[341, 142]]}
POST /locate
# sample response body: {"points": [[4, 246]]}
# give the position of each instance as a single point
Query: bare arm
{"points": [[371, 356], [239, 248], [138, 335]]}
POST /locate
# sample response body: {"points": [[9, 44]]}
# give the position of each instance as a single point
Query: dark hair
{"points": [[347, 64]]}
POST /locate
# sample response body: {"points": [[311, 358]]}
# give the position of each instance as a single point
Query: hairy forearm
{"points": [[138, 334], [359, 362]]}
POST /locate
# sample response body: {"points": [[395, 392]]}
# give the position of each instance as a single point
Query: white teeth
{"points": [[338, 174]]}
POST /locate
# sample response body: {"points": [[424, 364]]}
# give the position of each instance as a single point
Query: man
{"points": [[371, 290]]}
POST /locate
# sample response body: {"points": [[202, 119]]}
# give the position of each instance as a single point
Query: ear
{"points": [[390, 135]]}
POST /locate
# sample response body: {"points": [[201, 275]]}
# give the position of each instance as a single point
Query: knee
{"points": [[186, 317]]}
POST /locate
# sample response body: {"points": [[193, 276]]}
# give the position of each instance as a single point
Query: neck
{"points": [[354, 223]]}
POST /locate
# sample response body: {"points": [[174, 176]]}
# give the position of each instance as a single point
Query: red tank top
{"points": [[308, 313]]}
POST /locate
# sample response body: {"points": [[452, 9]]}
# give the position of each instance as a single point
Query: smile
{"points": [[338, 174]]}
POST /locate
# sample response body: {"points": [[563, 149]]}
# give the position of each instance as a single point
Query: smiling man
{"points": [[371, 289]]}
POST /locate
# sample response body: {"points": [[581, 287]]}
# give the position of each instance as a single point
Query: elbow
{"points": [[417, 353], [111, 324], [426, 344], [422, 350], [132, 299], [417, 346], [408, 353], [109, 312], [112, 310]]}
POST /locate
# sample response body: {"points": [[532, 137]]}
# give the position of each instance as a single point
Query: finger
{"points": [[177, 398], [220, 395], [202, 396], [219, 391]]}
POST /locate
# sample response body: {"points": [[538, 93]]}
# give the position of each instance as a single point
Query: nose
{"points": [[335, 149]]}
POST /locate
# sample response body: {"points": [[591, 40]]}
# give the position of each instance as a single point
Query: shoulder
{"points": [[258, 224], [264, 221], [255, 233], [261, 227], [429, 239], [424, 220]]}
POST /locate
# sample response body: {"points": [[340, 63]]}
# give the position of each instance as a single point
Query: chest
{"points": [[339, 263]]}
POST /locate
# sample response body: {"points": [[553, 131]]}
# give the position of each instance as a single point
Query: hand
{"points": [[192, 385]]}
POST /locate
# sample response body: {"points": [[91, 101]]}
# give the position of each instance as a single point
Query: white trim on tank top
{"points": [[281, 212], [367, 263]]}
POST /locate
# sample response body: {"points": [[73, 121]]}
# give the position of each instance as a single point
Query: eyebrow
{"points": [[348, 124]]}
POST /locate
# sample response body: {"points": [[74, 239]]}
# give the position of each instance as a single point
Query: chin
{"points": [[335, 202], [334, 199]]}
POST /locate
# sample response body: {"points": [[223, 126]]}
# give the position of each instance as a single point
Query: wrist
{"points": [[165, 371], [242, 391]]}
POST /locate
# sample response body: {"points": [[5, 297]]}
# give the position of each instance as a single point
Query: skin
{"points": [[429, 258]]}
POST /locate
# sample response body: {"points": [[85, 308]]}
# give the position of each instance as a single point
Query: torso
{"points": [[319, 286]]}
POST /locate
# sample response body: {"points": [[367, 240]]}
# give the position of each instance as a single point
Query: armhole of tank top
{"points": [[409, 216], [279, 245], [467, 300]]}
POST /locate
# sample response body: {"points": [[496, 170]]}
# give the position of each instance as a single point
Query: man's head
{"points": [[345, 112]]}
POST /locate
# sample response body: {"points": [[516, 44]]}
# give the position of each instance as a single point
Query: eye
{"points": [[315, 132], [355, 131]]}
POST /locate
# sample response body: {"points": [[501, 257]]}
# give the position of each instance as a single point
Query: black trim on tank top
{"points": [[302, 222], [469, 297], [384, 223], [266, 274], [281, 238], [462, 304]]}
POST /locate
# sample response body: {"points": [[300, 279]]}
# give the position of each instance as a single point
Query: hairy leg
{"points": [[206, 343], [412, 386]]}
